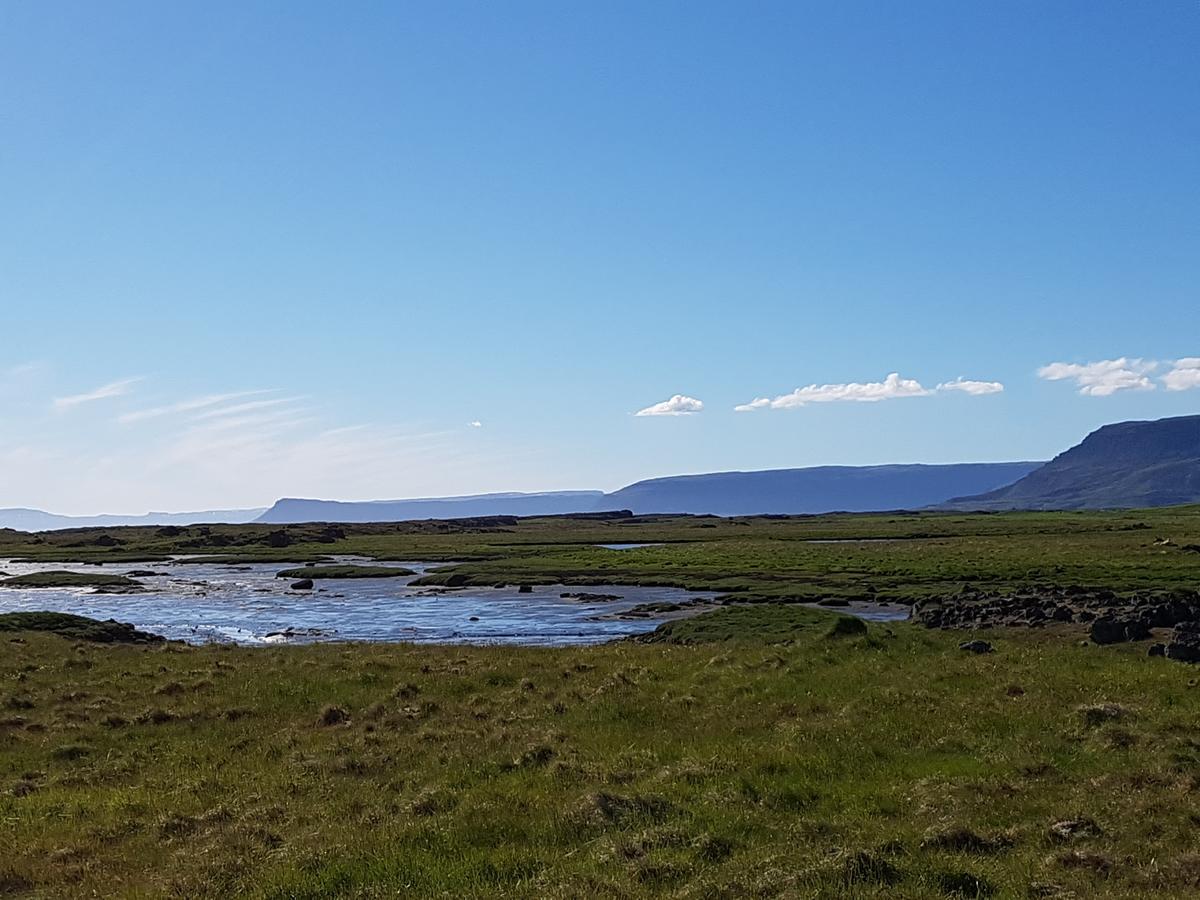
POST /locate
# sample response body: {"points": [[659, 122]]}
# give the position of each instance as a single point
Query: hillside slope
{"points": [[1125, 465]]}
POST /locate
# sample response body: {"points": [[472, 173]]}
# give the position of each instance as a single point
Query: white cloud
{"points": [[1185, 374], [678, 405], [974, 388], [1105, 377], [891, 388], [475, 424], [758, 403], [113, 389], [184, 406]]}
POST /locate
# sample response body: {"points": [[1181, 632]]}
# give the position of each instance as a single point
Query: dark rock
{"points": [[1185, 642], [525, 589], [1137, 630], [1158, 650], [333, 715], [304, 584], [977, 647], [1108, 630], [833, 601]]}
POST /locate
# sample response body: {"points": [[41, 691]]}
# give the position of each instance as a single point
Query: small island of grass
{"points": [[316, 572], [57, 579], [78, 628]]}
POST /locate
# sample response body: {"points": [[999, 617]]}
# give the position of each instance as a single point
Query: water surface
{"points": [[245, 603]]}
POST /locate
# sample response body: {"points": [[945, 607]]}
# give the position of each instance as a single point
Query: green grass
{"points": [[764, 749], [345, 572], [78, 628], [889, 764], [896, 556], [69, 579]]}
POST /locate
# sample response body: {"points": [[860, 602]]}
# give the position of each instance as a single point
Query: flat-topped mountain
{"points": [[815, 490], [1129, 464], [780, 491], [291, 510]]}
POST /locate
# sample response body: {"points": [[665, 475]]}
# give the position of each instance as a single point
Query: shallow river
{"points": [[201, 602]]}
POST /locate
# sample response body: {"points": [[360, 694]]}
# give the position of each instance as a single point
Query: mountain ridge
{"points": [[795, 491], [1122, 465]]}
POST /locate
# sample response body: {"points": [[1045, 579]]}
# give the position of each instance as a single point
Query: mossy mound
{"points": [[78, 628], [345, 572], [70, 579]]}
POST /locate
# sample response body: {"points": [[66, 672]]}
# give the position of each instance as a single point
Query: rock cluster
{"points": [[1110, 617]]}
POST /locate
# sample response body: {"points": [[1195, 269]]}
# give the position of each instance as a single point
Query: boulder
{"points": [[976, 647], [1185, 642], [304, 584], [1109, 629]]}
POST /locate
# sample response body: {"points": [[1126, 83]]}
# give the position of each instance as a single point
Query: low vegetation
{"points": [[317, 572], [758, 751], [897, 557], [70, 579], [79, 628], [762, 749]]}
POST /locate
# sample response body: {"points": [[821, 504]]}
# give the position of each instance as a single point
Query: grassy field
{"points": [[770, 757], [760, 750], [898, 556]]}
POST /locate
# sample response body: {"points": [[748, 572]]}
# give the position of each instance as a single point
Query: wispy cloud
{"points": [[1184, 375], [891, 388], [1104, 377], [185, 406], [678, 405], [249, 406], [974, 388], [104, 392], [475, 424]]}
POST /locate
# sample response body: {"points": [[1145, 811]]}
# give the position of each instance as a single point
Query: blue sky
{"points": [[380, 249]]}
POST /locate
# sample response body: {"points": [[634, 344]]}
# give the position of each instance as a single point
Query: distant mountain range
{"points": [[552, 503], [36, 520], [779, 491], [1130, 464]]}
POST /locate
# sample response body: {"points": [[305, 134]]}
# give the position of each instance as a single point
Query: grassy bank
{"points": [[887, 556], [757, 752]]}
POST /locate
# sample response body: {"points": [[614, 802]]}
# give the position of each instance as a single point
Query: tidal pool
{"points": [[246, 604]]}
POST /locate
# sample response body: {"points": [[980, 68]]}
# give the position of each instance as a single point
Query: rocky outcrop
{"points": [[1110, 618]]}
